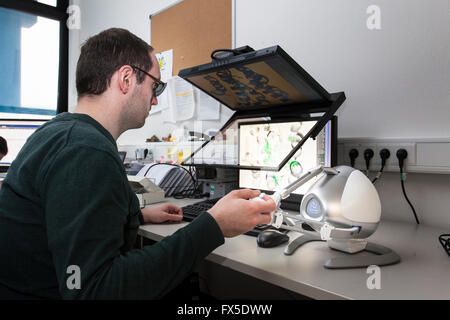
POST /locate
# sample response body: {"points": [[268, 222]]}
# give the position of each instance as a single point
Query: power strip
{"points": [[424, 155]]}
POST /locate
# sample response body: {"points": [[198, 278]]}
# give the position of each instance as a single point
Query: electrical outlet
{"points": [[360, 163], [392, 162], [375, 163], [424, 155]]}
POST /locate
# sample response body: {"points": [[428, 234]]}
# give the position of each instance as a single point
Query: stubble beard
{"points": [[133, 117]]}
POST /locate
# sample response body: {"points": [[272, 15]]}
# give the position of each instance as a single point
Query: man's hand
{"points": [[162, 213], [236, 215]]}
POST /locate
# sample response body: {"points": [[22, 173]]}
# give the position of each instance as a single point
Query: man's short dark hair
{"points": [[102, 55], [3, 146]]}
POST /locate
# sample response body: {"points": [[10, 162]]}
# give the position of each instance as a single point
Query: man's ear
{"points": [[125, 79]]}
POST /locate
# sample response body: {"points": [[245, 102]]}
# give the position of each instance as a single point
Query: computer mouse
{"points": [[271, 238]]}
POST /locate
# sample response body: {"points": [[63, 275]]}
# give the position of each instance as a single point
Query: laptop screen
{"points": [[16, 134]]}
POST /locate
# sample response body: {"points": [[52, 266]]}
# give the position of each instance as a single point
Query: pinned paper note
{"points": [[165, 61], [184, 99], [181, 100], [208, 107]]}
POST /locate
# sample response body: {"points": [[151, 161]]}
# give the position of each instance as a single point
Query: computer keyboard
{"points": [[193, 211]]}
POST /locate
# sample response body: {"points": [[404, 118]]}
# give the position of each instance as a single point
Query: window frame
{"points": [[58, 13]]}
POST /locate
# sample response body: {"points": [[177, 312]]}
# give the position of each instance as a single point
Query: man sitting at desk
{"points": [[68, 217]]}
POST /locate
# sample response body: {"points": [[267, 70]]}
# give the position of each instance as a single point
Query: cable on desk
{"points": [[406, 197], [402, 154]]}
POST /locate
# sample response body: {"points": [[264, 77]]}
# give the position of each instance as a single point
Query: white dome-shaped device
{"points": [[360, 201], [345, 200], [343, 208]]}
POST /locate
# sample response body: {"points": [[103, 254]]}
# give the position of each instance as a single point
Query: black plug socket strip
{"points": [[368, 155], [353, 154]]}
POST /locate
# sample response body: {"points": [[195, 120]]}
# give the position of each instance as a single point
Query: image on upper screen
{"points": [[258, 79], [255, 85]]}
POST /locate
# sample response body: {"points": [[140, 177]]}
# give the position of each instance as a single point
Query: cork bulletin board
{"points": [[193, 29]]}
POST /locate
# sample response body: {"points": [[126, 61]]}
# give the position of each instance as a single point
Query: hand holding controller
{"points": [[276, 197], [236, 215]]}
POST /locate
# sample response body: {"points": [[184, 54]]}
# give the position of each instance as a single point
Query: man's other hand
{"points": [[236, 215], [165, 212]]}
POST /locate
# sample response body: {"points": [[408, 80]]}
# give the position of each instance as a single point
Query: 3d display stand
{"points": [[383, 256], [263, 84]]}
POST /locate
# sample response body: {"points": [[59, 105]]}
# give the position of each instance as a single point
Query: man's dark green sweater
{"points": [[66, 202]]}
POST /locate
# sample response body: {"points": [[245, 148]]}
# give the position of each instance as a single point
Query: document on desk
{"points": [[208, 107]]}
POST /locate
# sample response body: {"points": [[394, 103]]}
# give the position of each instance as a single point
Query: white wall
{"points": [[397, 79], [99, 15], [427, 192]]}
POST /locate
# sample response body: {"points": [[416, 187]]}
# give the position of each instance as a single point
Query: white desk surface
{"points": [[423, 273]]}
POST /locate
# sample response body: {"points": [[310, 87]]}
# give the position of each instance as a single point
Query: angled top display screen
{"points": [[278, 108], [265, 78]]}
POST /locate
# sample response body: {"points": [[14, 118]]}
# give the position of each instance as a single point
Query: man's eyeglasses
{"points": [[158, 85]]}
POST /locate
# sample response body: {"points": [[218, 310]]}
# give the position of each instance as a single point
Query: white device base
{"points": [[348, 245]]}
